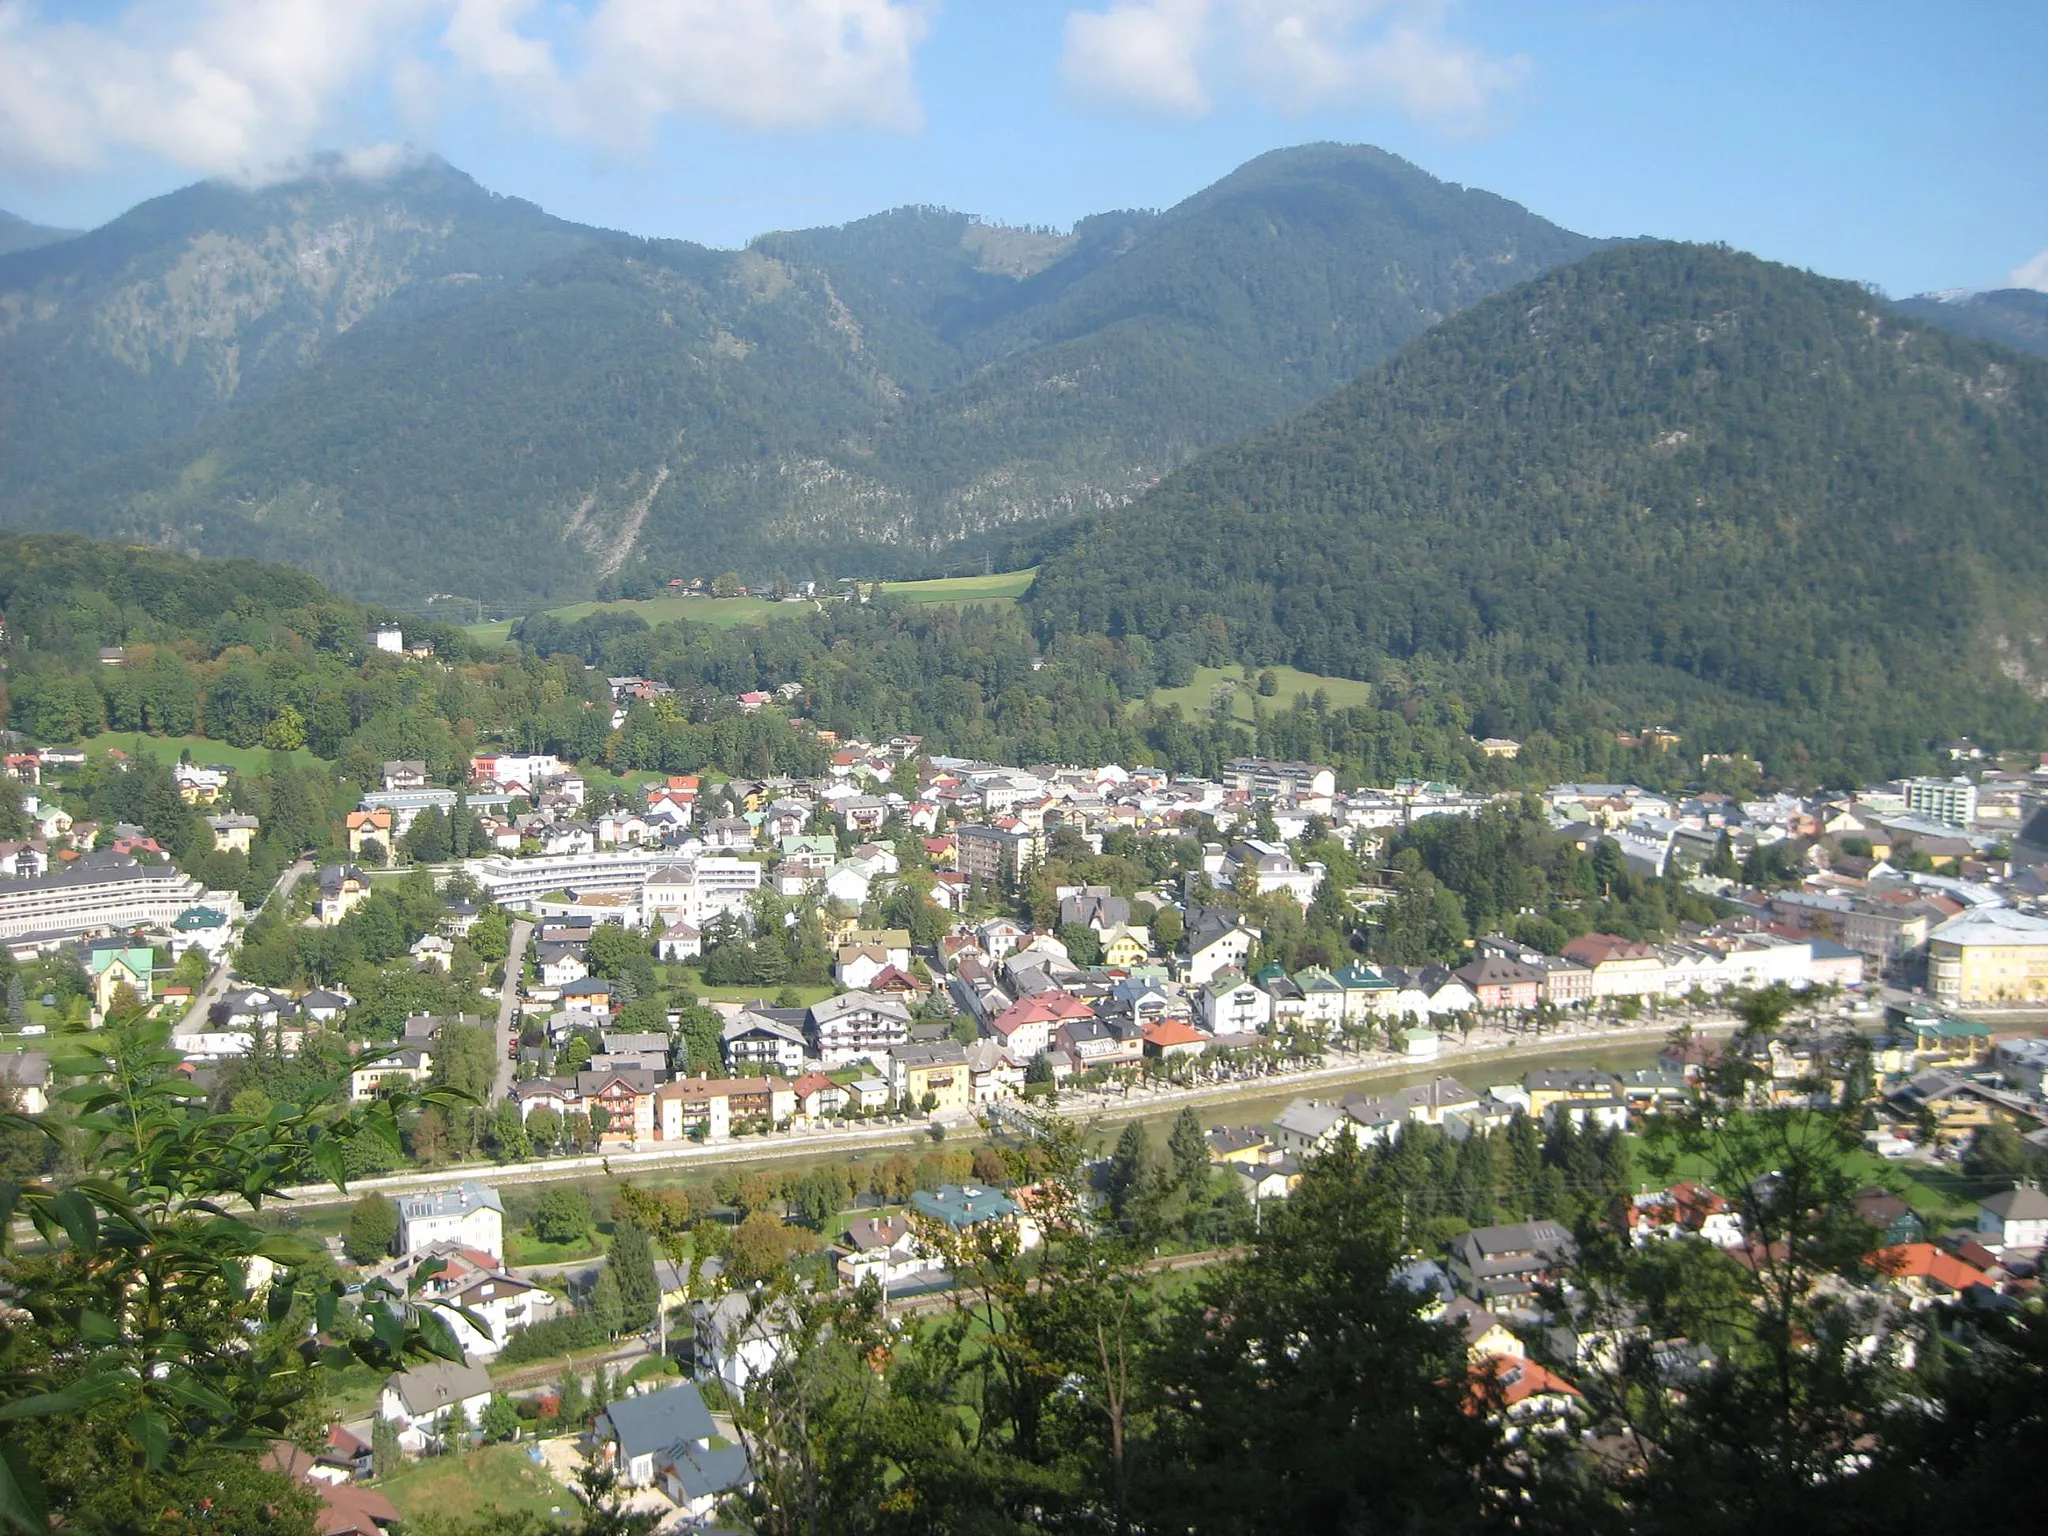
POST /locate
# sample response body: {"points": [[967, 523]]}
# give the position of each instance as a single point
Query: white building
{"points": [[470, 1214], [698, 890], [422, 1400]]}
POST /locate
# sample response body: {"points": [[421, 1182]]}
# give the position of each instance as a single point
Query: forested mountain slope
{"points": [[2015, 317], [1755, 502], [857, 397], [217, 294]]}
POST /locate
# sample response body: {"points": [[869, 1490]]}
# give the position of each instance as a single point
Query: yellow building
{"points": [[1993, 955], [939, 1069], [1125, 945]]}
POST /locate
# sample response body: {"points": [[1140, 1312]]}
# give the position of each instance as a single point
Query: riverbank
{"points": [[1219, 1103]]}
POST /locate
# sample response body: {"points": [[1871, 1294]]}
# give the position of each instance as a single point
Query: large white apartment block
{"points": [[102, 893], [1951, 800]]}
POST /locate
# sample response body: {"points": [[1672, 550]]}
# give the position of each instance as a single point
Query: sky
{"points": [[1896, 143]]}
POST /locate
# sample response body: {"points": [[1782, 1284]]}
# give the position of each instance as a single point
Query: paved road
{"points": [[508, 1004], [217, 983]]}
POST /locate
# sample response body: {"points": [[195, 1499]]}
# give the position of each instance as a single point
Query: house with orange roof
{"points": [[1925, 1273], [1531, 1398], [1168, 1038]]}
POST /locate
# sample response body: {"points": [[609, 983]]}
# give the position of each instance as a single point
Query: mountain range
{"points": [[409, 384], [18, 234], [2013, 317]]}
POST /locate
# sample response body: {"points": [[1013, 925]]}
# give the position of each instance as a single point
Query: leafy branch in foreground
{"points": [[162, 1335]]}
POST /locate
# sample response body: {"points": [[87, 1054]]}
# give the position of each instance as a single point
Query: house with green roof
{"points": [[114, 966], [1366, 991], [961, 1206]]}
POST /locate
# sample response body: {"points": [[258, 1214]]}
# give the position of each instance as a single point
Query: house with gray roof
{"points": [[663, 1439]]}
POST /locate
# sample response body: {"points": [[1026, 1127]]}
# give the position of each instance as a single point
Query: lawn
{"points": [[204, 749], [1941, 1196], [525, 1248], [724, 612], [690, 979], [491, 1479], [1193, 698], [1002, 587]]}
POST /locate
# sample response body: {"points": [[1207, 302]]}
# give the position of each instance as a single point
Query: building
{"points": [[1216, 940], [698, 890], [343, 888], [2015, 1218], [854, 1025], [100, 893], [708, 1108], [374, 826], [232, 833], [765, 1039], [663, 1439], [1989, 955], [992, 856], [1953, 801], [421, 1400], [115, 966], [1271, 870], [931, 1076], [1267, 779], [470, 1214], [1502, 1266]]}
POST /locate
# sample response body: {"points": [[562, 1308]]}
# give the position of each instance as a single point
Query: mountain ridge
{"points": [[19, 234], [866, 396], [2012, 317]]}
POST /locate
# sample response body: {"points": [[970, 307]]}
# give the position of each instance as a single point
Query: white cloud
{"points": [[1293, 56], [2031, 274], [217, 85], [1143, 55], [236, 85]]}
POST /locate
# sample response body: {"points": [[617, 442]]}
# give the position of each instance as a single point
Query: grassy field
{"points": [[204, 749], [524, 1248], [468, 1484], [1002, 587], [737, 612], [1193, 699], [725, 612]]}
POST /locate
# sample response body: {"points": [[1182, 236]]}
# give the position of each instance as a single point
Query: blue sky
{"points": [[1896, 143]]}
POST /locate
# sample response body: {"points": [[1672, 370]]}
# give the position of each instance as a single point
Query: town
{"points": [[703, 968]]}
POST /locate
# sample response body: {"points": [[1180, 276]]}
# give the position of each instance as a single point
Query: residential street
{"points": [[508, 1004], [217, 982]]}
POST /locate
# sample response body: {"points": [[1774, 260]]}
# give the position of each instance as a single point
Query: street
{"points": [[508, 1004], [217, 982]]}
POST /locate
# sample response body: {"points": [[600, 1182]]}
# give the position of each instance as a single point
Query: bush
{"points": [[372, 1228], [546, 1340], [564, 1216]]}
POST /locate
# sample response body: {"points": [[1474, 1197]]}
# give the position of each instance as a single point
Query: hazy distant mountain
{"points": [[532, 407], [2016, 317], [18, 234], [1674, 480], [200, 300]]}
